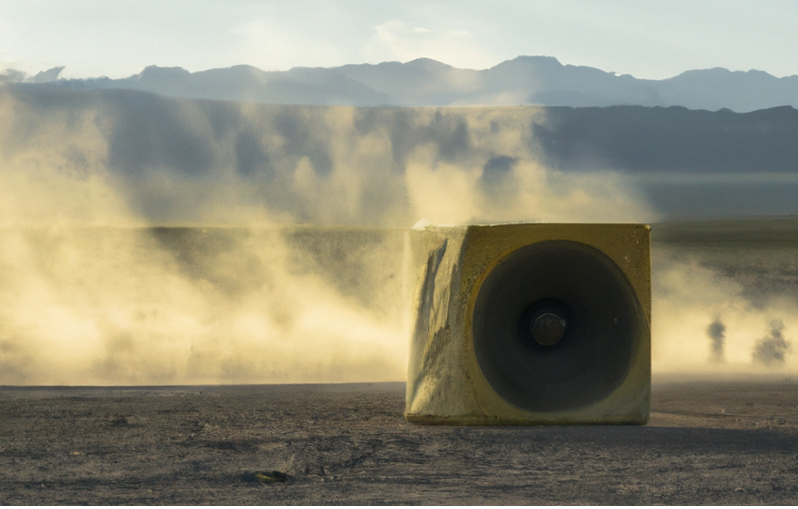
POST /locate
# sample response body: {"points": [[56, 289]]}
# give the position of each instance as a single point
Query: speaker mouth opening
{"points": [[555, 326]]}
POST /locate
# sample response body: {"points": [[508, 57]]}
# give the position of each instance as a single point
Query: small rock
{"points": [[265, 477]]}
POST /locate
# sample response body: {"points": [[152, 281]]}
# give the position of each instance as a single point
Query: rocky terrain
{"points": [[722, 441]]}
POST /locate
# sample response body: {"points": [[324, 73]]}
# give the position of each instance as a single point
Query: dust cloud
{"points": [[771, 349], [153, 240], [710, 323], [148, 240], [717, 335]]}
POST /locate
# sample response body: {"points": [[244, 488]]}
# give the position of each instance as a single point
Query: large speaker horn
{"points": [[530, 323]]}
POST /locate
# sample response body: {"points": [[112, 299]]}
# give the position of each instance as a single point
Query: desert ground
{"points": [[720, 439], [730, 442]]}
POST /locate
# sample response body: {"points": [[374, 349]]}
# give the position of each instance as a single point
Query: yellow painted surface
{"points": [[445, 383]]}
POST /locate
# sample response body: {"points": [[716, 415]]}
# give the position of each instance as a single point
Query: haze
{"points": [[86, 299], [96, 291]]}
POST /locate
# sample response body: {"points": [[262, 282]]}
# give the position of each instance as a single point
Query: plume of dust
{"points": [[90, 293], [717, 335], [687, 295], [772, 349], [466, 189], [126, 306]]}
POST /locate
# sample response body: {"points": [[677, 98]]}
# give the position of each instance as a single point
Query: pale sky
{"points": [[649, 39]]}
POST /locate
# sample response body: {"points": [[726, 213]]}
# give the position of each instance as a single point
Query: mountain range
{"points": [[526, 80]]}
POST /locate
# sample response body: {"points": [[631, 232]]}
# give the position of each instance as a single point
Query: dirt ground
{"points": [[708, 442]]}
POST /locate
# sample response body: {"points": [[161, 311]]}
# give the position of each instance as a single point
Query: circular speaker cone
{"points": [[555, 326]]}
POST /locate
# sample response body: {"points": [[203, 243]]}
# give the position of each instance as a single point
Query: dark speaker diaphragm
{"points": [[555, 326]]}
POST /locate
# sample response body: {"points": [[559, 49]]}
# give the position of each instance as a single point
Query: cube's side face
{"points": [[489, 364], [437, 365]]}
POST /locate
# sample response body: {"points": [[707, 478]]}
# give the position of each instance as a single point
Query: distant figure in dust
{"points": [[717, 334], [772, 349]]}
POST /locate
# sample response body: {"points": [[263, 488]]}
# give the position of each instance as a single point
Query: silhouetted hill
{"points": [[526, 80], [713, 89], [675, 139], [420, 82], [543, 80], [241, 83]]}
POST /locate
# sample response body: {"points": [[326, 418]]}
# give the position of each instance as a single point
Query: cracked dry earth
{"points": [[708, 442]]}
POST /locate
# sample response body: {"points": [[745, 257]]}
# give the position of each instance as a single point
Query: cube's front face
{"points": [[531, 323]]}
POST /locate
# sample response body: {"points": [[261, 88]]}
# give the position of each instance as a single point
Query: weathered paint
{"points": [[447, 268]]}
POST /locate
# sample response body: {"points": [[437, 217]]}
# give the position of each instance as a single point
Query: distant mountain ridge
{"points": [[526, 80]]}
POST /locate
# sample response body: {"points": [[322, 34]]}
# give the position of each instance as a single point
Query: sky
{"points": [[654, 39]]}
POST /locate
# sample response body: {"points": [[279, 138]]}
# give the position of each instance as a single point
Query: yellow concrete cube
{"points": [[529, 324]]}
